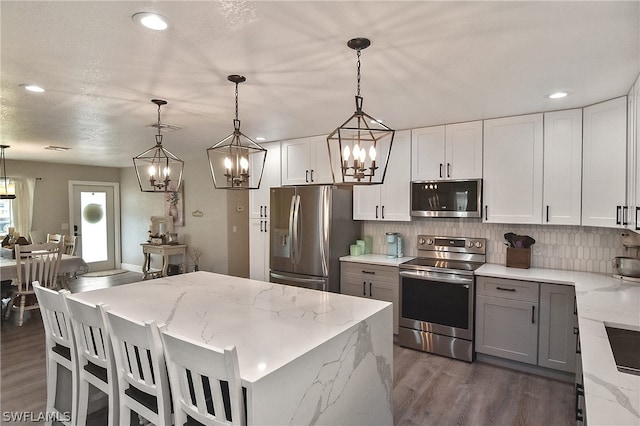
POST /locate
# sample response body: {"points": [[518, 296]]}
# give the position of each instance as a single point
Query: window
{"points": [[6, 216]]}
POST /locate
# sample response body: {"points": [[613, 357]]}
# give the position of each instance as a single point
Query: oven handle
{"points": [[438, 276]]}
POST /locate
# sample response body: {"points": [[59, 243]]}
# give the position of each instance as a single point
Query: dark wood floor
{"points": [[428, 389]]}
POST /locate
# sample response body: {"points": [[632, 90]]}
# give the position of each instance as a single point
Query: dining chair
{"points": [[60, 350], [205, 382], [143, 384], [55, 238], [95, 357], [34, 262], [70, 245]]}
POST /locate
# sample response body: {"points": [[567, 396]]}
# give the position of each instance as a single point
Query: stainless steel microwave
{"points": [[447, 198]]}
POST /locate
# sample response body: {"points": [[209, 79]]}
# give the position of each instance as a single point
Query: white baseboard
{"points": [[131, 267]]}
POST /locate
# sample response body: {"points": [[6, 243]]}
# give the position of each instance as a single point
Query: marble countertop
{"points": [[376, 259], [270, 324], [611, 397]]}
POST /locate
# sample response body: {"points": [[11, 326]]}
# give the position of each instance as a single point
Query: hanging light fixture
{"points": [[236, 161], [157, 169], [7, 187], [362, 144]]}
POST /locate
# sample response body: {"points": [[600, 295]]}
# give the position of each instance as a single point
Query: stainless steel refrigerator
{"points": [[311, 228]]}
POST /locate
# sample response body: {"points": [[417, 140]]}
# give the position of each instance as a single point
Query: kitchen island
{"points": [[612, 397], [306, 356]]}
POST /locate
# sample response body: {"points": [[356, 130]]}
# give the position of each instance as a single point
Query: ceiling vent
{"points": [[57, 148], [165, 126]]}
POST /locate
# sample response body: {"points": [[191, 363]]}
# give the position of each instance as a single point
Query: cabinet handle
{"points": [[260, 226], [311, 175], [440, 169], [637, 227], [306, 176], [576, 331], [579, 393], [506, 289], [448, 169], [370, 294], [533, 314], [368, 272], [547, 214], [376, 212], [364, 288], [383, 212], [486, 212], [260, 211], [618, 209], [625, 214]]}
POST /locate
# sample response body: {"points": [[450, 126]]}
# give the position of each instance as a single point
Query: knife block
{"points": [[519, 257]]}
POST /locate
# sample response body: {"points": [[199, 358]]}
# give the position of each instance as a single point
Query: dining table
{"points": [[68, 265], [305, 356]]}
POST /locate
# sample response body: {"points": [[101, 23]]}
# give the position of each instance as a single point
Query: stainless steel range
{"points": [[437, 291]]}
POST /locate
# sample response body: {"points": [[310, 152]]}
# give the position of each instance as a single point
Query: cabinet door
{"points": [[388, 291], [557, 344], [259, 249], [320, 167], [427, 153], [395, 192], [633, 155], [295, 162], [562, 195], [604, 163], [512, 165], [366, 202], [259, 198], [463, 150], [507, 328]]}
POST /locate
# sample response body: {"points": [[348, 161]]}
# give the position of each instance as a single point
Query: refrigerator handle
{"points": [[291, 236], [296, 229]]}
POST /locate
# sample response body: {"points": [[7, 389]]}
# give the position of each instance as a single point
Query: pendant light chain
{"points": [[159, 134], [236, 101]]}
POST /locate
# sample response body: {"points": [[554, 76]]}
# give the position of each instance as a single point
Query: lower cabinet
{"points": [[507, 319], [528, 322], [259, 249], [372, 281]]}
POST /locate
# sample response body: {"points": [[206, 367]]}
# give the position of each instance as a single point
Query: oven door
{"points": [[437, 302]]}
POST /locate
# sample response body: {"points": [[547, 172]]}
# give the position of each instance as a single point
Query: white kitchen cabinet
{"points": [[259, 198], [604, 170], [389, 201], [562, 190], [633, 157], [452, 151], [306, 161], [558, 319], [259, 249], [374, 282], [507, 319], [513, 167]]}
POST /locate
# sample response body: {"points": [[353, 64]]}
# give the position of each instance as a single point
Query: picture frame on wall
{"points": [[174, 205]]}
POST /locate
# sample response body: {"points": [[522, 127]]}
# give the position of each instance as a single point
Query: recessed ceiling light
{"points": [[260, 139], [557, 95], [32, 88], [152, 21]]}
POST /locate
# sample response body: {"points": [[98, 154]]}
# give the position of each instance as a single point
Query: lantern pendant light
{"points": [[158, 170], [236, 161], [359, 149], [7, 188]]}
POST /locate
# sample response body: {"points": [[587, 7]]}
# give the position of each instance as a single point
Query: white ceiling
{"points": [[429, 63]]}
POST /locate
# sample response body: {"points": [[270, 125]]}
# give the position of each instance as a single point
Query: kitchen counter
{"points": [[305, 356], [611, 397], [376, 259]]}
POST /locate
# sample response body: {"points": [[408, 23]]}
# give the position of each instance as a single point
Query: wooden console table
{"points": [[165, 250]]}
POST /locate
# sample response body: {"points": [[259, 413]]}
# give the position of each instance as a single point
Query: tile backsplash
{"points": [[577, 248]]}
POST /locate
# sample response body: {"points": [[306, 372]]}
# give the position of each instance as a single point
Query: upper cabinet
{"points": [[453, 151], [513, 155], [306, 161], [604, 170], [633, 157], [259, 198], [562, 194], [391, 200]]}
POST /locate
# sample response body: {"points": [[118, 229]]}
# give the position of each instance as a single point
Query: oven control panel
{"points": [[452, 244]]}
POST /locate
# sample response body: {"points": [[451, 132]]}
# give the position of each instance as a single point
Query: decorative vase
{"points": [[195, 268]]}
